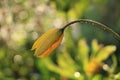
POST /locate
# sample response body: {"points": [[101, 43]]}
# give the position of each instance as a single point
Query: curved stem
{"points": [[104, 27]]}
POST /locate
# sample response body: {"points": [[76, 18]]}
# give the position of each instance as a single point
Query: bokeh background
{"points": [[23, 21]]}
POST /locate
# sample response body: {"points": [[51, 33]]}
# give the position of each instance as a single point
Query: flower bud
{"points": [[48, 42]]}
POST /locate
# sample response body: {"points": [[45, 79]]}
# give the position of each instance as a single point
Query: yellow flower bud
{"points": [[48, 42]]}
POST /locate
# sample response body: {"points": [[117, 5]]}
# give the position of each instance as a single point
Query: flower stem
{"points": [[104, 27]]}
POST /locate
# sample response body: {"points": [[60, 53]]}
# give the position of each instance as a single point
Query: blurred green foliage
{"points": [[23, 21], [85, 65]]}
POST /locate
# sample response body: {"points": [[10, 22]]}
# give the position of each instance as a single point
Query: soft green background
{"points": [[23, 21]]}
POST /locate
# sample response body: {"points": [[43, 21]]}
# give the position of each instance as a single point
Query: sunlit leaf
{"points": [[64, 58], [97, 77], [56, 68], [105, 52], [83, 50], [95, 47]]}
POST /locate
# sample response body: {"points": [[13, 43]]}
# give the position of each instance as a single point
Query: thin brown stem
{"points": [[104, 27]]}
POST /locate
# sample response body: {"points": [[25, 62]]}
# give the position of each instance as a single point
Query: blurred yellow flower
{"points": [[94, 66], [48, 42], [98, 55]]}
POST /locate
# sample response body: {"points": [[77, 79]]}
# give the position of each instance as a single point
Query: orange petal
{"points": [[51, 48]]}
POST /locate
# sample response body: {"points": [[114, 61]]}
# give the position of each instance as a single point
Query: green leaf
{"points": [[105, 52], [2, 53], [65, 70], [43, 69], [83, 51], [97, 77], [95, 48]]}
